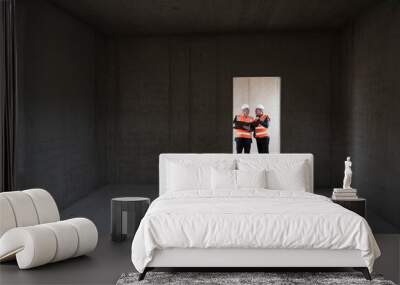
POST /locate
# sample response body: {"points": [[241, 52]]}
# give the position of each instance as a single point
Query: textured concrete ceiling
{"points": [[213, 16]]}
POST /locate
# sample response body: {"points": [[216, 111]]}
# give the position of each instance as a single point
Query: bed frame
{"points": [[249, 259]]}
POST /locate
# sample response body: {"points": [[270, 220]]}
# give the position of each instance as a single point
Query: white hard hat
{"points": [[245, 106], [260, 106]]}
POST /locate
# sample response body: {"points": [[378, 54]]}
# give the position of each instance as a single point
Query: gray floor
{"points": [[103, 266], [110, 259], [97, 206]]}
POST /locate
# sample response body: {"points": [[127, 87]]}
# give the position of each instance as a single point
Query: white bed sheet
{"points": [[250, 218]]}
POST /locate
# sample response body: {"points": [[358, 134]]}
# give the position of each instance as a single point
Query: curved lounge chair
{"points": [[31, 231]]}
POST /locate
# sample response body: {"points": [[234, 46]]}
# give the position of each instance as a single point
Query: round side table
{"points": [[126, 214]]}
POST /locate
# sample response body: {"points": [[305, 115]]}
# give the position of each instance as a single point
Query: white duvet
{"points": [[251, 218]]}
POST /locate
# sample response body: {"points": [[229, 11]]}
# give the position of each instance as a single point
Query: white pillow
{"points": [[292, 179], [188, 177], [223, 179], [175, 181], [282, 174], [251, 178]]}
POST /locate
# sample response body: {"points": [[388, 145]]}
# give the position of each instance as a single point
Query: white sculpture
{"points": [[347, 174]]}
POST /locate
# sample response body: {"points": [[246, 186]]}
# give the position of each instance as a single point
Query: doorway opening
{"points": [[267, 92]]}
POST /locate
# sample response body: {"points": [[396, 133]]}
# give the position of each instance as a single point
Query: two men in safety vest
{"points": [[244, 125]]}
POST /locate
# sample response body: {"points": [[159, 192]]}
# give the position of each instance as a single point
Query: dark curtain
{"points": [[8, 94]]}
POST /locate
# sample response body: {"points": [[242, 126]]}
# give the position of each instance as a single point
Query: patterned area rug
{"points": [[229, 278]]}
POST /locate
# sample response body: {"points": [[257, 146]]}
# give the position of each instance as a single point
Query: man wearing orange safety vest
{"points": [[243, 128], [261, 134]]}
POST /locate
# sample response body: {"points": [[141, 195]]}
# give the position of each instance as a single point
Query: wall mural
{"points": [[256, 109]]}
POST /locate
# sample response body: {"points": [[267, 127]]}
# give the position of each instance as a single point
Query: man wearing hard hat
{"points": [[243, 128], [261, 124]]}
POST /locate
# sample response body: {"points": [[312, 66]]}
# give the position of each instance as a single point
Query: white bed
{"points": [[249, 227]]}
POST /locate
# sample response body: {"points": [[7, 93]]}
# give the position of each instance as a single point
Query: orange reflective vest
{"points": [[261, 131], [243, 133]]}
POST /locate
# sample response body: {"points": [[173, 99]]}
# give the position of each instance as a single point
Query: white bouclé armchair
{"points": [[31, 231]]}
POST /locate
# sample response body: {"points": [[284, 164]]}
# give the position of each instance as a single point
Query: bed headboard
{"points": [[164, 157]]}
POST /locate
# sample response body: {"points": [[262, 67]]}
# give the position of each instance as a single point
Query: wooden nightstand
{"points": [[358, 206]]}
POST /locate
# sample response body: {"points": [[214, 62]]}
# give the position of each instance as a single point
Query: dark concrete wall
{"points": [[365, 117], [174, 94], [106, 94], [57, 146], [98, 110]]}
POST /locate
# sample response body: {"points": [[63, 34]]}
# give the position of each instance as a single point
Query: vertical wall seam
{"points": [[116, 104], [332, 77], [169, 96], [218, 117], [190, 101]]}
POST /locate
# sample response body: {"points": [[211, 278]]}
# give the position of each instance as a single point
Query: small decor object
{"points": [[346, 193], [347, 174], [126, 214]]}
